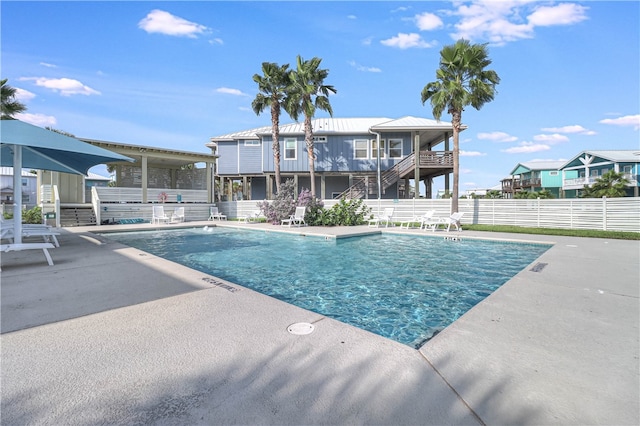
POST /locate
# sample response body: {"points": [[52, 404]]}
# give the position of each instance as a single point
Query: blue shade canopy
{"points": [[44, 149]]}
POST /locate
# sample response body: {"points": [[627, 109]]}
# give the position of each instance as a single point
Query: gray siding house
{"points": [[347, 163]]}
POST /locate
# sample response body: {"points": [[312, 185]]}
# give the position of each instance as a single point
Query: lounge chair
{"points": [[454, 220], [429, 221], [177, 215], [384, 217], [214, 214], [297, 218], [30, 246], [159, 215], [253, 217], [29, 230], [417, 220]]}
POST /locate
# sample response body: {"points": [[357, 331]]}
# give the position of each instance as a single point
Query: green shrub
{"points": [[32, 216], [346, 213], [282, 206]]}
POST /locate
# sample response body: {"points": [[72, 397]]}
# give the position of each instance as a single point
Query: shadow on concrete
{"points": [[90, 275]]}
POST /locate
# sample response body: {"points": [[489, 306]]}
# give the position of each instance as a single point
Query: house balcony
{"points": [[578, 183], [527, 184]]}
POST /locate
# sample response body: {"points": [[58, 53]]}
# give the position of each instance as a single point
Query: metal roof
{"points": [[616, 156], [8, 171], [414, 123], [331, 125]]}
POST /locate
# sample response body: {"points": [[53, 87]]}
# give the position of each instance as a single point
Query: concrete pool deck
{"points": [[113, 335]]}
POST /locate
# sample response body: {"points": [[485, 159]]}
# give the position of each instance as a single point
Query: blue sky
{"points": [[173, 74]]}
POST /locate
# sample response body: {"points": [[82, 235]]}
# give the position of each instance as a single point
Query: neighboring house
{"points": [[586, 167], [346, 163], [29, 188], [93, 179], [534, 176]]}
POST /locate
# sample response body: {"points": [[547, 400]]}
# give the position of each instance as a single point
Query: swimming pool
{"points": [[403, 287]]}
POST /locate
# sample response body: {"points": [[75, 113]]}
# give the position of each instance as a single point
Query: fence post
{"points": [[604, 213], [538, 218]]}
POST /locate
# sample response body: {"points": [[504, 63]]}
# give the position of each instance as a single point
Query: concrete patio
{"points": [[113, 335]]}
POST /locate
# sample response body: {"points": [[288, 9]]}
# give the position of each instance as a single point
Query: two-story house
{"points": [[29, 188], [586, 167], [350, 155], [534, 176]]}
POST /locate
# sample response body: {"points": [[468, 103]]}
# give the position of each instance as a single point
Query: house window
{"points": [[553, 173], [251, 142], [25, 182], [290, 148], [360, 149], [627, 169], [374, 148], [594, 173], [395, 148]]}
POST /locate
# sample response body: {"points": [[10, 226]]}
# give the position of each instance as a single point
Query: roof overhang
{"points": [[158, 157]]}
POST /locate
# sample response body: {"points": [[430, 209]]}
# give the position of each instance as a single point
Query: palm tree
{"points": [[462, 80], [307, 94], [272, 86], [610, 185], [10, 106]]}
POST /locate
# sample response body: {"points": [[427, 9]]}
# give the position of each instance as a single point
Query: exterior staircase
{"points": [[389, 177], [77, 216]]}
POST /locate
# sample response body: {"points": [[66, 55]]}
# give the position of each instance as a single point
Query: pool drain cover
{"points": [[301, 328]]}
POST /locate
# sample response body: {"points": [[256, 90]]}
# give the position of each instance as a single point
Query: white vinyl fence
{"points": [[609, 214]]}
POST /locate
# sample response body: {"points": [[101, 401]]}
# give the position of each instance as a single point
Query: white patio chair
{"points": [[297, 218], [385, 217], [429, 221], [214, 214], [420, 220], [454, 220], [177, 215], [159, 216], [253, 217]]}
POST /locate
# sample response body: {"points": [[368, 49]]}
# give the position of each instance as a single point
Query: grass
{"points": [[588, 233]]}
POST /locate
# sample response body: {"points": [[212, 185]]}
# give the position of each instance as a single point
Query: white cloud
{"points": [[472, 154], [574, 129], [627, 120], [24, 95], [552, 139], [503, 21], [45, 64], [159, 21], [562, 14], [406, 41], [216, 41], [367, 41], [229, 91], [65, 86], [352, 17], [245, 109], [428, 22], [497, 137], [40, 120], [363, 68], [526, 148]]}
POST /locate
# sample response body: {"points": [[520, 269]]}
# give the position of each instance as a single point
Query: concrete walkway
{"points": [[112, 335]]}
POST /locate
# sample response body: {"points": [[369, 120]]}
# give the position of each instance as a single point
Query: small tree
{"points": [[314, 207], [283, 204], [493, 194], [610, 185]]}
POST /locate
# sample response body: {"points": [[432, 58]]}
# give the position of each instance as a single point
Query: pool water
{"points": [[406, 288]]}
